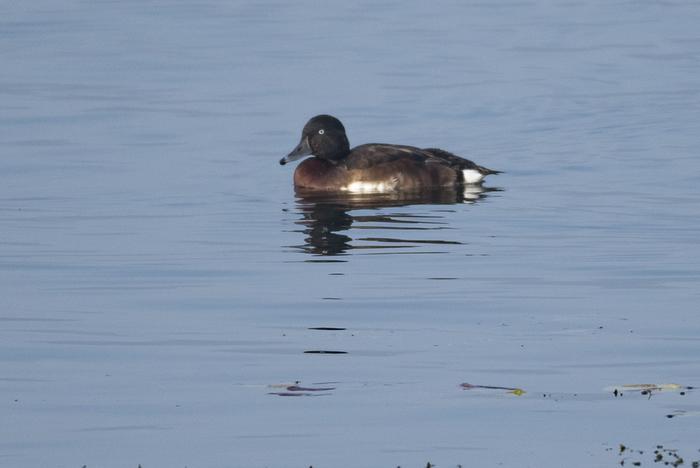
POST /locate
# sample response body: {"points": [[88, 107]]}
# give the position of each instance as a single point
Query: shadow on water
{"points": [[327, 219]]}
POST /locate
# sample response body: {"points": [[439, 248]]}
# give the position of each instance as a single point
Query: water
{"points": [[159, 277]]}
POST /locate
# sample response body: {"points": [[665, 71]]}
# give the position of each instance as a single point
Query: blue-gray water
{"points": [[158, 276]]}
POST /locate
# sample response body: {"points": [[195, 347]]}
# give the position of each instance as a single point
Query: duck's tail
{"points": [[475, 174], [472, 173], [486, 171], [458, 162]]}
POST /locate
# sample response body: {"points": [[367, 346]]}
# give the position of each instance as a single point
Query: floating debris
{"points": [[283, 385], [297, 390], [296, 394], [646, 389], [661, 455], [679, 413], [512, 390]]}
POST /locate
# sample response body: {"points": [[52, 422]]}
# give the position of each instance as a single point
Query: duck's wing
{"points": [[408, 167], [377, 154], [436, 155]]}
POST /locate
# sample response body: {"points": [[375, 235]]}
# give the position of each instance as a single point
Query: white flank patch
{"points": [[472, 177], [369, 187]]}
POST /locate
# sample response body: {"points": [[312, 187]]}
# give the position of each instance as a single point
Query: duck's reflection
{"points": [[327, 218]]}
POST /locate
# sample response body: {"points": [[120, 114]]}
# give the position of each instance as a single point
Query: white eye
{"points": [[321, 132]]}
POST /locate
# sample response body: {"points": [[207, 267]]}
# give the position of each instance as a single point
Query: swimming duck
{"points": [[373, 167]]}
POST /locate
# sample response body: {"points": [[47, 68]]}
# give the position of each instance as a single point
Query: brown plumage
{"points": [[374, 167]]}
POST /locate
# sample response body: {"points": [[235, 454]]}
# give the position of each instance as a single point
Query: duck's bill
{"points": [[302, 149]]}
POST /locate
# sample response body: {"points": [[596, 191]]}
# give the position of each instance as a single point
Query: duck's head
{"points": [[324, 137]]}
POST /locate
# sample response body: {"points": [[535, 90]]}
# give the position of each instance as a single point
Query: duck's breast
{"points": [[319, 174]]}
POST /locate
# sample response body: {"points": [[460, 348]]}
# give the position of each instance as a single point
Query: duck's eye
{"points": [[321, 132]]}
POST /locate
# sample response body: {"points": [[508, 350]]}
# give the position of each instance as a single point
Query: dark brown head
{"points": [[324, 137]]}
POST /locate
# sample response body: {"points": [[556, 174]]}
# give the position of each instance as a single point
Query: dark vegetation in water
{"points": [[660, 454], [295, 390], [650, 389], [628, 457], [513, 390]]}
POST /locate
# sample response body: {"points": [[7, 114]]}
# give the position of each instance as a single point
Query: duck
{"points": [[374, 167]]}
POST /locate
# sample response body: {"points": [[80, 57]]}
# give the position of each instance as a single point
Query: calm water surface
{"points": [[161, 283]]}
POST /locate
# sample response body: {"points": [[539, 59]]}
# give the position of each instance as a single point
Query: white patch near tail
{"points": [[472, 176]]}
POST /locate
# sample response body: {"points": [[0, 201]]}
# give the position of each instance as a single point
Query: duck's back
{"points": [[377, 167]]}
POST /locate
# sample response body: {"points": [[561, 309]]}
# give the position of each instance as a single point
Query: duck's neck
{"points": [[337, 158], [336, 150]]}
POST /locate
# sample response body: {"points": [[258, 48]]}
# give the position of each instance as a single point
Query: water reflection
{"points": [[326, 220]]}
